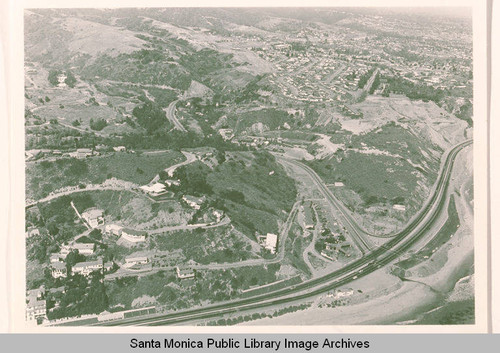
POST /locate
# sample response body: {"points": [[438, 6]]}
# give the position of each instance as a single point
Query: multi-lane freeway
{"points": [[371, 261]]}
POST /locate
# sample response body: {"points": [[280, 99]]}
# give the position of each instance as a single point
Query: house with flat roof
{"points": [[154, 189], [36, 306], [94, 217], [87, 267], [183, 273], [399, 207], [134, 236], [113, 229], [136, 260], [84, 248], [271, 242], [193, 201]]}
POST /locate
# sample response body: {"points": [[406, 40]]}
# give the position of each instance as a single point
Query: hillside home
{"points": [[86, 268], [271, 242], [154, 190], [184, 273], [36, 306], [134, 236], [113, 229], [93, 217], [58, 269], [193, 201]]}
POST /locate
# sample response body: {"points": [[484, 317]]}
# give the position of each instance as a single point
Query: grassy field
{"points": [[217, 245], [44, 177], [254, 199], [374, 178]]}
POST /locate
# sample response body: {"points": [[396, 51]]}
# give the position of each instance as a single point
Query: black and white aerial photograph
{"points": [[248, 166]]}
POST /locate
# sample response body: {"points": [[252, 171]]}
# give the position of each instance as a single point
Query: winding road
{"points": [[170, 112], [370, 262]]}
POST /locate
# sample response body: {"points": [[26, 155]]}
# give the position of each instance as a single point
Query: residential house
{"points": [[113, 229], [120, 149], [271, 242], [308, 216], [184, 273], [86, 268], [58, 269], [84, 248], [93, 217], [134, 236], [136, 260], [36, 306], [193, 201], [399, 207], [155, 189], [32, 232], [55, 258]]}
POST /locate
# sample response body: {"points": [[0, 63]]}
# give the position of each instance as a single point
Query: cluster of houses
{"points": [[131, 235], [334, 251], [60, 270]]}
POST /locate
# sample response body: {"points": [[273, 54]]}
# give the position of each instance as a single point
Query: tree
{"points": [[73, 258], [53, 77]]}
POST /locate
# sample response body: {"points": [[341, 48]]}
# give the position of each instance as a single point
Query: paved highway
{"points": [[170, 111], [372, 261]]}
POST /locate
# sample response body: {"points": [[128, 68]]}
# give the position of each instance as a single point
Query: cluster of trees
{"points": [[150, 116], [376, 84], [98, 124], [363, 79], [194, 179], [397, 84], [70, 78], [81, 296]]}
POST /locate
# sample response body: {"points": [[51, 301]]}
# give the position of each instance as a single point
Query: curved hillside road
{"points": [[69, 192], [362, 243], [190, 158], [170, 112], [347, 215], [381, 256], [223, 222]]}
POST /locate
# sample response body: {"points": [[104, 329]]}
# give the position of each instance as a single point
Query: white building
{"points": [[134, 236], [36, 306], [58, 269], [113, 229], [120, 149], [399, 207], [93, 217], [86, 268], [84, 248], [136, 260], [271, 242], [155, 189], [184, 273], [193, 201]]}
